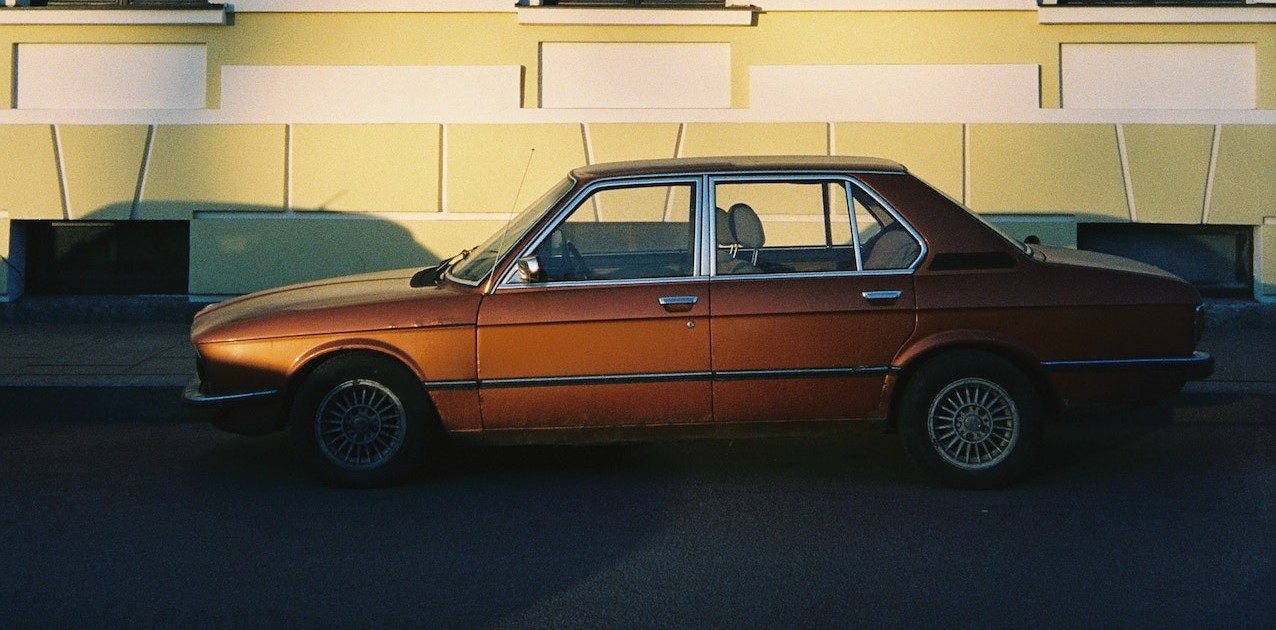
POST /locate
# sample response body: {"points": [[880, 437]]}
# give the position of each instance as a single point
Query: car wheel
{"points": [[970, 420], [361, 421]]}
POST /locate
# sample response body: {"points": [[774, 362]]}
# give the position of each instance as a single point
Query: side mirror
{"points": [[529, 269]]}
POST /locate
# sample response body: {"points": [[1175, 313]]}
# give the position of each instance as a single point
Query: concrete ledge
{"points": [[104, 308], [1239, 313]]}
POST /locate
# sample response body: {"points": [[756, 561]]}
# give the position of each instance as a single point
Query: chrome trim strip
{"points": [[1198, 358], [813, 274], [605, 379], [449, 385], [804, 373], [193, 397], [619, 379], [543, 286]]}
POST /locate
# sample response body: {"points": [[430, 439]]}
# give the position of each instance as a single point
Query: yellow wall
{"points": [[102, 164], [778, 37], [1245, 189], [214, 167], [1074, 169], [33, 191], [366, 168], [449, 182]]}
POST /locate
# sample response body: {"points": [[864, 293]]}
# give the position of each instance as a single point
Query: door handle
{"points": [[679, 303], [881, 297]]}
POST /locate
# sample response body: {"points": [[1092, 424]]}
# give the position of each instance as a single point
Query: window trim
{"points": [[216, 14], [1252, 12], [509, 279], [852, 183]]}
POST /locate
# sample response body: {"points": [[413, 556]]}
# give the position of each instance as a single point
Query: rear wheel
{"points": [[970, 420], [361, 420]]}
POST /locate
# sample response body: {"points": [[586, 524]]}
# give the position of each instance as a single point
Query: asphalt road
{"points": [[1147, 520]]}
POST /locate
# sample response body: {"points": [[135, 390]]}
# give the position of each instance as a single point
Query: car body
{"points": [[707, 296]]}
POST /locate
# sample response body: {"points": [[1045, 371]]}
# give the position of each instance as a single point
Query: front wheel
{"points": [[361, 421], [970, 420]]}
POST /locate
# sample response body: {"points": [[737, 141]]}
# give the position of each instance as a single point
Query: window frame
{"points": [[510, 278], [853, 187]]}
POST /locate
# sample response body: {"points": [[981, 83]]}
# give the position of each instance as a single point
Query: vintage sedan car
{"points": [[693, 297]]}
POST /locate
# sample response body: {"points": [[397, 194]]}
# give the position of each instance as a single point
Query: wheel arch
{"points": [[1022, 359], [308, 363]]}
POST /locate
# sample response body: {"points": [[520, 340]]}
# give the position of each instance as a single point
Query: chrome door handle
{"points": [[679, 303], [881, 297]]}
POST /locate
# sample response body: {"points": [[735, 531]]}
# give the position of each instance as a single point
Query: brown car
{"points": [[717, 296]]}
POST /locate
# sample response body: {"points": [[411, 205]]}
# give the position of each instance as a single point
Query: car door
{"points": [[802, 328], [607, 322]]}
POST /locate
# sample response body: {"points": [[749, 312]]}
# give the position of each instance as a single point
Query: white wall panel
{"points": [[958, 92], [1159, 76], [370, 93], [635, 76], [111, 76]]}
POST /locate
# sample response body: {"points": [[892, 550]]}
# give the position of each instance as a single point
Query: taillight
{"points": [[1198, 325]]}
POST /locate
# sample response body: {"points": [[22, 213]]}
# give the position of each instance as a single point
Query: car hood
{"points": [[373, 301], [1096, 260]]}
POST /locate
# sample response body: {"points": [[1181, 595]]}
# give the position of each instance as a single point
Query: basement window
{"points": [[106, 257], [1218, 259]]}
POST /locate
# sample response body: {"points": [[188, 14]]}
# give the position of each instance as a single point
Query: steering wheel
{"points": [[580, 271]]}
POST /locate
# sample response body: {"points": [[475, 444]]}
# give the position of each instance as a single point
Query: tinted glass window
{"points": [[884, 242], [783, 227], [623, 233]]}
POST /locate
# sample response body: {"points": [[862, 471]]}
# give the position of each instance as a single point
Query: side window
{"points": [[783, 227], [619, 234], [884, 243]]}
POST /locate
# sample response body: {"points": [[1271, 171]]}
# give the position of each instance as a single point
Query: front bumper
{"points": [[248, 413]]}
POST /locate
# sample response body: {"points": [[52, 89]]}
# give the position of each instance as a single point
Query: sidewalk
{"points": [[137, 369]]}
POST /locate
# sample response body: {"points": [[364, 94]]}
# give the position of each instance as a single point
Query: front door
{"points": [[608, 323]]}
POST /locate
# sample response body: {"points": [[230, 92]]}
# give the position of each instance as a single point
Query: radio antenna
{"points": [[513, 208]]}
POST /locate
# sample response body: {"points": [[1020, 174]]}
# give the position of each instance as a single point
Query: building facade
{"points": [[212, 150]]}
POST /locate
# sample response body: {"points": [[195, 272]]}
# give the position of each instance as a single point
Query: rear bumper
{"points": [[248, 413], [1198, 366], [1115, 381]]}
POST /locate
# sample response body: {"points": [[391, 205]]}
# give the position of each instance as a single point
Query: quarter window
{"points": [[884, 242]]}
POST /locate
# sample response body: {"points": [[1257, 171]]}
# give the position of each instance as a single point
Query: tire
{"points": [[970, 420], [361, 421]]}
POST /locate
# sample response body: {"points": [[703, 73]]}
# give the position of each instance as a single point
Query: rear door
{"points": [[802, 328]]}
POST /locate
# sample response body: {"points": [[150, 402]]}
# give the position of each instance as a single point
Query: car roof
{"points": [[835, 163]]}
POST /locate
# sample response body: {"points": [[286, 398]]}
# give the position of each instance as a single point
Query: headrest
{"points": [[722, 225], [746, 227]]}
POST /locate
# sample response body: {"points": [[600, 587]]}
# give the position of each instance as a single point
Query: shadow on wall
{"points": [[221, 250]]}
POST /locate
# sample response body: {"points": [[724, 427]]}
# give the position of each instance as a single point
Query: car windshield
{"points": [[482, 258]]}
